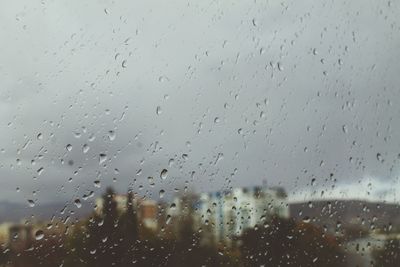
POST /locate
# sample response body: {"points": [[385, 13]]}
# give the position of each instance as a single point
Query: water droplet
{"points": [[220, 157], [158, 110], [39, 234], [344, 128], [127, 40], [40, 170], [171, 162], [31, 203], [379, 157], [163, 79], [97, 183], [254, 21], [313, 181], [164, 174], [78, 203], [102, 158], [92, 137], [124, 63], [111, 135], [39, 136], [151, 180], [185, 156], [162, 192], [85, 148], [69, 147], [168, 221], [106, 11], [216, 120]]}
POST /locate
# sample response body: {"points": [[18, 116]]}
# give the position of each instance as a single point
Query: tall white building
{"points": [[227, 214]]}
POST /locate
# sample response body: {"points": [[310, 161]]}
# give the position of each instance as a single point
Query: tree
{"points": [[47, 252], [389, 256], [103, 234], [129, 232], [4, 255], [283, 242]]}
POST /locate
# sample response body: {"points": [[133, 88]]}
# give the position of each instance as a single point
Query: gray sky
{"points": [[287, 91]]}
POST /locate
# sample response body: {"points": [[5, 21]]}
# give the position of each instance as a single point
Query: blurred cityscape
{"points": [[254, 226]]}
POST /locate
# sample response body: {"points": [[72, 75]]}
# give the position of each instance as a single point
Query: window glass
{"points": [[199, 133]]}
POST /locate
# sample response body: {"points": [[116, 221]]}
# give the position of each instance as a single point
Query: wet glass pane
{"points": [[199, 133]]}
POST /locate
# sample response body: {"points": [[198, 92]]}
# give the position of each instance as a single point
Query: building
{"points": [[224, 215], [147, 210], [229, 213]]}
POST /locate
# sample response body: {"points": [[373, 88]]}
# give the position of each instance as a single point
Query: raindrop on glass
{"points": [[313, 181], [344, 128], [39, 235], [161, 193], [97, 183], [78, 203], [164, 174], [171, 162], [85, 148], [31, 203], [158, 110], [102, 158], [124, 63], [379, 157], [111, 135], [40, 170]]}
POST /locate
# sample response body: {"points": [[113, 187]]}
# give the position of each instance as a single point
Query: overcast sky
{"points": [[302, 94]]}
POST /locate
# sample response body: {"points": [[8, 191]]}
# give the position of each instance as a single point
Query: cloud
{"points": [[268, 85], [366, 188]]}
